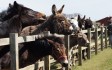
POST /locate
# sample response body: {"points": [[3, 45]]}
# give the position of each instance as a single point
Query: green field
{"points": [[102, 61]]}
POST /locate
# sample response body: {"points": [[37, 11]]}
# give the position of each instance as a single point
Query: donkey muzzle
{"points": [[65, 63]]}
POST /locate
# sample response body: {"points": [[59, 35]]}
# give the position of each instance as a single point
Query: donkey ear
{"points": [[61, 9], [79, 17], [10, 5], [15, 3], [18, 7], [84, 17], [54, 10]]}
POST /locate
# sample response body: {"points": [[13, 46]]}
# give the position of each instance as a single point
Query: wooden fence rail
{"points": [[13, 41]]}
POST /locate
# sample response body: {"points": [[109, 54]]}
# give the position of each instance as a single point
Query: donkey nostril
{"points": [[65, 64]]}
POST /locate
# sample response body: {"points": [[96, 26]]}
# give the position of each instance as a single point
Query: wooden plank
{"points": [[84, 31], [40, 64], [52, 60], [67, 44], [30, 67], [47, 63], [76, 50], [4, 41], [96, 41], [101, 38], [14, 51], [89, 46], [99, 29], [47, 58], [106, 37], [80, 55]]}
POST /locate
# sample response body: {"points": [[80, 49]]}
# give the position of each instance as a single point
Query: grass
{"points": [[102, 61]]}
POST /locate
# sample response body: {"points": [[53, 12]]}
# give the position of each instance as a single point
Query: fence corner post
{"points": [[14, 51]]}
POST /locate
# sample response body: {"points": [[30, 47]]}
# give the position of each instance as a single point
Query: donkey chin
{"points": [[64, 62]]}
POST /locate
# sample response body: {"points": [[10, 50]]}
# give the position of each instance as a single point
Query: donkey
{"points": [[56, 23], [85, 23], [19, 19], [81, 22], [31, 52], [78, 22], [77, 40], [16, 8]]}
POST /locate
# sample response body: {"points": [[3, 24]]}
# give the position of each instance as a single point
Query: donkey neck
{"points": [[41, 27]]}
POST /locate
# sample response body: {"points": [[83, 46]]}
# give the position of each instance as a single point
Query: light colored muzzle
{"points": [[64, 63]]}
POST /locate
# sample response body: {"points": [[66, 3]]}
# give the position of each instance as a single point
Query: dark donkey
{"points": [[89, 23], [16, 8], [31, 52], [85, 23], [22, 17], [81, 22]]}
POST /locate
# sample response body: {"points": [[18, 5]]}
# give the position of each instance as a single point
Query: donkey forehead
{"points": [[58, 45], [60, 16]]}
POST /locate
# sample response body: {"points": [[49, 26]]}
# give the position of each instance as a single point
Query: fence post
{"points": [[37, 65], [67, 44], [89, 46], [106, 37], [14, 51], [96, 41], [80, 55], [47, 63], [101, 38], [47, 58]]}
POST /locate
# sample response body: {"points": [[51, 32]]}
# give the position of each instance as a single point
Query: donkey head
{"points": [[58, 22], [81, 22], [89, 23], [58, 50], [79, 39], [28, 16]]}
